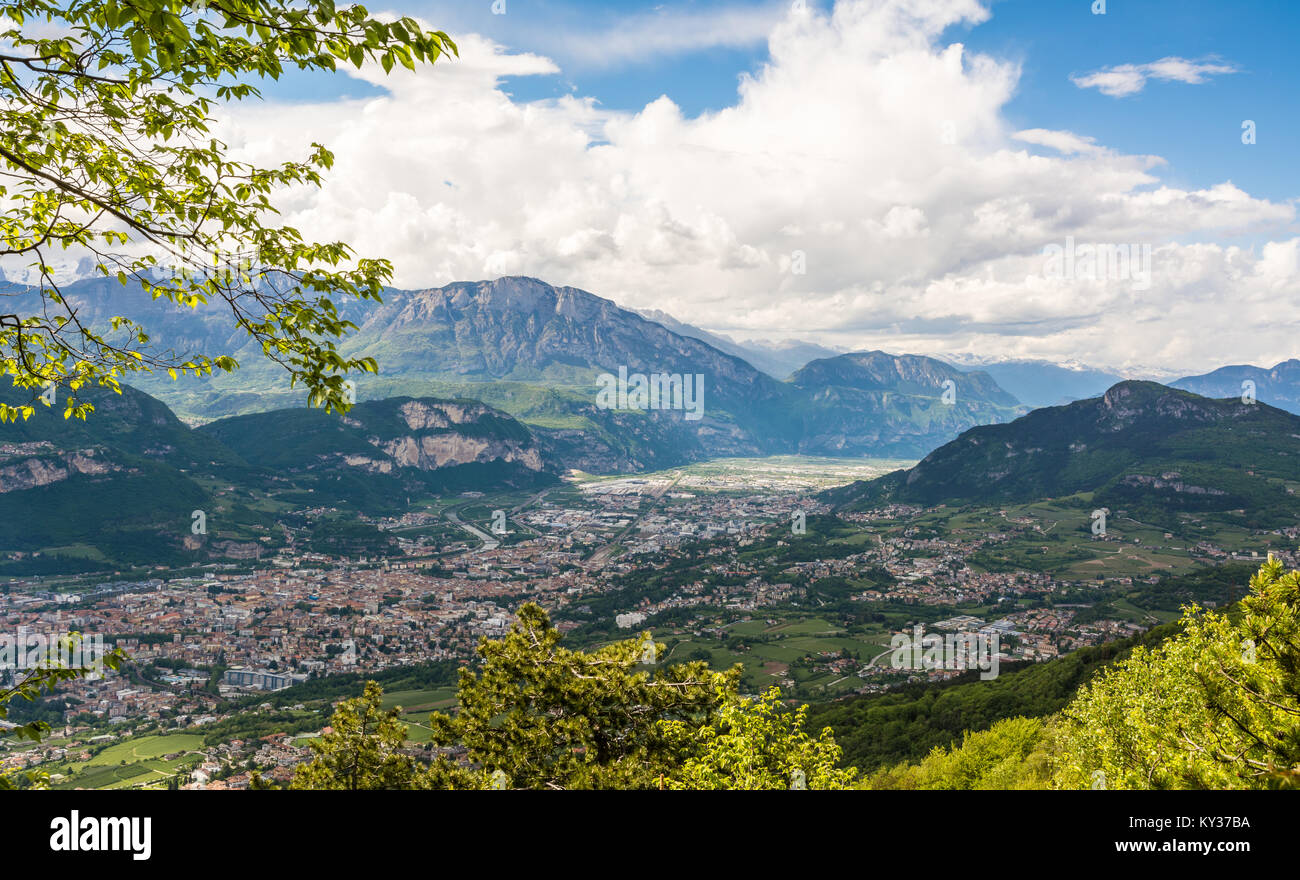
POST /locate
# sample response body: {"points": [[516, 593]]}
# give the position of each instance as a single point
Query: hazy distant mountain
{"points": [[1038, 383], [908, 374], [1278, 386], [777, 359], [894, 405], [1141, 446], [60, 271], [515, 343], [784, 358]]}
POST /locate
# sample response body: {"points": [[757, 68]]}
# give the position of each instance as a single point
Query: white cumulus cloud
{"points": [[866, 142]]}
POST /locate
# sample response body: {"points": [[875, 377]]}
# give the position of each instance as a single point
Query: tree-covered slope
{"points": [[873, 403], [1141, 445], [906, 723], [382, 451], [120, 488], [116, 488]]}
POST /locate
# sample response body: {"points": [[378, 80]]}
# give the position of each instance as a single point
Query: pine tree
{"points": [[537, 715], [362, 751]]}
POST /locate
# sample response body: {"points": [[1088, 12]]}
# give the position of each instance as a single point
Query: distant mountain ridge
{"points": [[1037, 383], [525, 331], [1278, 385], [778, 359], [908, 373]]}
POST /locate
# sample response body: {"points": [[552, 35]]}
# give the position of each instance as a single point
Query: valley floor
{"points": [[730, 561]]}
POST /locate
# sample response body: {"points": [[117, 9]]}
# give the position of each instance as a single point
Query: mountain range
{"points": [[537, 352], [121, 489]]}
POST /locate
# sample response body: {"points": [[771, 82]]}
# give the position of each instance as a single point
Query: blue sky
{"points": [[1196, 128]]}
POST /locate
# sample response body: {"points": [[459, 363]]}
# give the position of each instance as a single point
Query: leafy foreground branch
{"points": [[1215, 706], [40, 681], [107, 150]]}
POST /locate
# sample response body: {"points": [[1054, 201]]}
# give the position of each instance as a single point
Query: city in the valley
{"points": [[730, 561]]}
